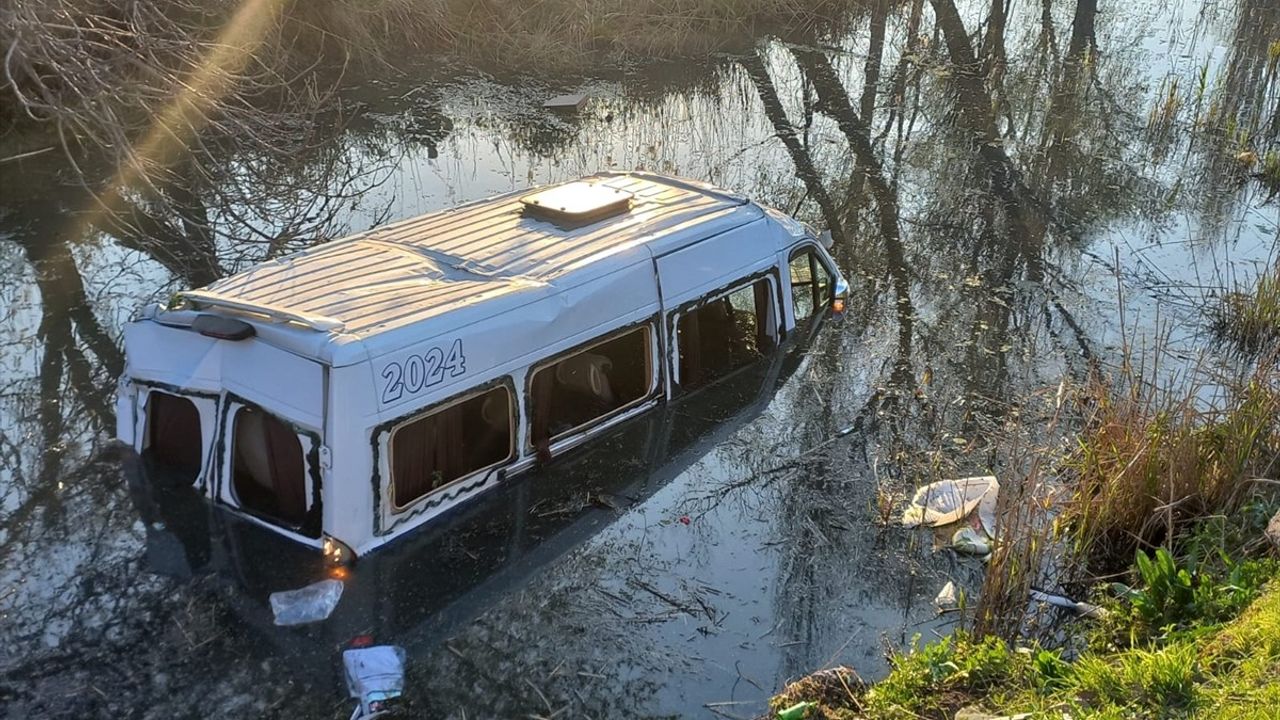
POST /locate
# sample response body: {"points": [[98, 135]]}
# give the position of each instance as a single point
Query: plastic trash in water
{"points": [[947, 599], [375, 676], [969, 541], [572, 101], [987, 508], [797, 711], [948, 501], [1080, 608], [312, 603]]}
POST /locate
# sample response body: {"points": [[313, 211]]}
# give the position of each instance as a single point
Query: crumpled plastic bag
{"points": [[947, 598], [374, 676], [948, 501], [308, 604], [971, 542]]}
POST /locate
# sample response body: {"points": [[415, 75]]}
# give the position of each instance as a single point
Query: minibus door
{"points": [[174, 434], [269, 464]]}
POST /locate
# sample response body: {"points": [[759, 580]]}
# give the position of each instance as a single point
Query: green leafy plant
{"points": [[1168, 594], [1051, 671], [1171, 598]]}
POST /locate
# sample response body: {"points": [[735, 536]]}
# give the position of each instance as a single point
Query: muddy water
{"points": [[1012, 196]]}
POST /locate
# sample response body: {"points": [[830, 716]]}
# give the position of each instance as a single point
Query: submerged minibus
{"points": [[425, 588], [347, 394]]}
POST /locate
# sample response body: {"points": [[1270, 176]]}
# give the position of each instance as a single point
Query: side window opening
{"points": [[810, 284], [464, 437], [173, 436], [268, 473], [590, 384], [724, 334]]}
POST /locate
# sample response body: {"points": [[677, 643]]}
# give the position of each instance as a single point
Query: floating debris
{"points": [[606, 501], [948, 501], [797, 711], [970, 541], [309, 604], [375, 676], [566, 102], [1080, 608], [948, 598]]}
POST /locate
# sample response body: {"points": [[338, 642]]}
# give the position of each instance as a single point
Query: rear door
{"points": [[240, 419], [272, 436]]}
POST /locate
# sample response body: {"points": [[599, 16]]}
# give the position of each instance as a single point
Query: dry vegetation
{"points": [[146, 101], [1148, 464], [70, 57]]}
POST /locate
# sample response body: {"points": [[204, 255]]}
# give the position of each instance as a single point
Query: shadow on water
{"points": [[1013, 192]]}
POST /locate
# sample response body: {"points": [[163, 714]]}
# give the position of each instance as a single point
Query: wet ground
{"points": [[1013, 196]]}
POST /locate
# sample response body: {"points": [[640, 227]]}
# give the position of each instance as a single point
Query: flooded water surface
{"points": [[1014, 193]]}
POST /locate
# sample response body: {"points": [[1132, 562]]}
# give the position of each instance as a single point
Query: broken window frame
{"points": [[388, 441], [147, 428], [651, 370], [772, 328], [309, 443]]}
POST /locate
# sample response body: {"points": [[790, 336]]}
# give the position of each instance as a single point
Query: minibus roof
{"points": [[491, 252]]}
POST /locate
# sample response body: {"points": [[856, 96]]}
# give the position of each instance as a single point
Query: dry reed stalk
{"points": [[1150, 461]]}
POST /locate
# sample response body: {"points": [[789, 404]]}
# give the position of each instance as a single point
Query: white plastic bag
{"points": [[374, 676], [308, 604], [948, 501], [947, 598]]}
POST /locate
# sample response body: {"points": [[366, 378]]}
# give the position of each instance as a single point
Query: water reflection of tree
{"points": [[68, 543], [1020, 153]]}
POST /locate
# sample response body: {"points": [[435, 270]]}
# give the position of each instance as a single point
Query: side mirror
{"points": [[841, 296], [826, 240]]}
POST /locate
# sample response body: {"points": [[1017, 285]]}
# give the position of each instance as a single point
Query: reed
{"points": [[1149, 462], [1249, 321]]}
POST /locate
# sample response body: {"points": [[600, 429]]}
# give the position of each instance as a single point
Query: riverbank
{"points": [[1219, 670], [1191, 637], [102, 62], [1190, 628]]}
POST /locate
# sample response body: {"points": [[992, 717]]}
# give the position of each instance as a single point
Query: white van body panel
{"points": [[686, 274], [356, 337]]}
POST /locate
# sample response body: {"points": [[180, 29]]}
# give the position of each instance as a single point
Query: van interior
{"points": [[173, 437]]}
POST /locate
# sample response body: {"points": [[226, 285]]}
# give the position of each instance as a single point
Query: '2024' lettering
{"points": [[419, 372]]}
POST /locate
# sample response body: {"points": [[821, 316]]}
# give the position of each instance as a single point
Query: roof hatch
{"points": [[576, 203]]}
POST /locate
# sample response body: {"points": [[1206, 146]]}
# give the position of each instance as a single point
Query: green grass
{"points": [[1250, 321], [1207, 645], [1228, 670]]}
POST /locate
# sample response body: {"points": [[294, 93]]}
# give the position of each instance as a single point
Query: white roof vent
{"points": [[576, 203]]}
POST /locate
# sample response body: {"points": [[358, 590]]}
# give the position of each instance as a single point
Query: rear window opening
{"points": [[722, 335], [173, 437], [590, 384], [268, 473], [465, 437]]}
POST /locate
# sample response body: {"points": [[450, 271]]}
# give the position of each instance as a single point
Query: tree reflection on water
{"points": [[1011, 191]]}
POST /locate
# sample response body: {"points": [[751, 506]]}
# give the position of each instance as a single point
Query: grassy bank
{"points": [[1168, 494], [1197, 637]]}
